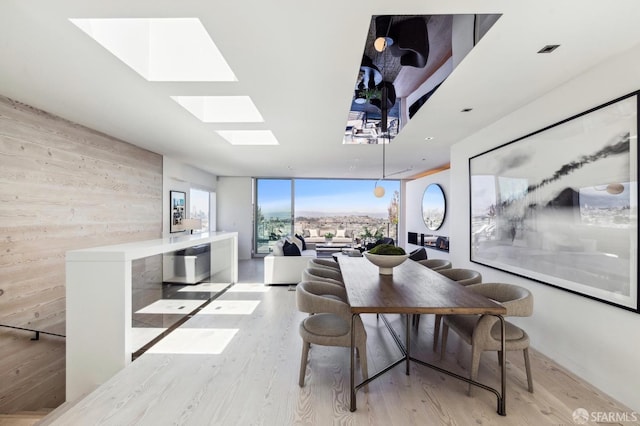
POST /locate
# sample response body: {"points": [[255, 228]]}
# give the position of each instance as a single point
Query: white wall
{"points": [[177, 176], [235, 211], [413, 210], [598, 342]]}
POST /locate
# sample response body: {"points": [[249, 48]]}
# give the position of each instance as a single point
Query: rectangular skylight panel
{"points": [[161, 49], [221, 109], [248, 137]]}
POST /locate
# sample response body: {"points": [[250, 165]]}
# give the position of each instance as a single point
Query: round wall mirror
{"points": [[433, 206]]}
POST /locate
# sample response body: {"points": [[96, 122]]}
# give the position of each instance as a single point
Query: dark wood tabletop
{"points": [[412, 289]]}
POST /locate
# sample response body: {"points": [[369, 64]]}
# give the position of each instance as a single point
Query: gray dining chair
{"points": [[436, 264], [322, 274], [483, 332], [463, 277], [324, 263], [418, 254], [330, 324], [328, 276]]}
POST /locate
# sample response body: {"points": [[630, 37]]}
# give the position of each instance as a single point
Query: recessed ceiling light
{"points": [[161, 49], [221, 109], [549, 48], [248, 137], [467, 109], [429, 138]]}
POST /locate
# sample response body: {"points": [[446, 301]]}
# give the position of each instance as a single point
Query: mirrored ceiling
{"points": [[405, 59]]}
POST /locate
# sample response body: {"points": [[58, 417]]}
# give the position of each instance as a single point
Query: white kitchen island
{"points": [[98, 297]]}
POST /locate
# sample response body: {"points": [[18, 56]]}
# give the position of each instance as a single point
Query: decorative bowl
{"points": [[386, 262]]}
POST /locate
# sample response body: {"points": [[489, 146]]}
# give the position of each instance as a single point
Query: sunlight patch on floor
{"points": [[194, 341], [170, 306], [140, 336], [206, 287], [230, 307], [249, 288]]}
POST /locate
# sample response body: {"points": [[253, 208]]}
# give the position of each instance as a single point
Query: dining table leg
{"points": [[352, 384], [408, 343], [502, 402]]}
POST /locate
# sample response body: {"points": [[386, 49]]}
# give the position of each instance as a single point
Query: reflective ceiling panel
{"points": [[405, 59]]}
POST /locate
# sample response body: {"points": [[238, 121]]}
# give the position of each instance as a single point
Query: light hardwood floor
{"points": [[255, 380]]}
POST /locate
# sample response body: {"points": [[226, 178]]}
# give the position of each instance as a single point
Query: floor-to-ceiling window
{"points": [[342, 207], [199, 208], [273, 212]]}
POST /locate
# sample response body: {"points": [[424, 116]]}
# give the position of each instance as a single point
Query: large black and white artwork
{"points": [[560, 205]]}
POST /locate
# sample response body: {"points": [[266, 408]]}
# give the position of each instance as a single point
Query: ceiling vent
{"points": [[549, 48]]}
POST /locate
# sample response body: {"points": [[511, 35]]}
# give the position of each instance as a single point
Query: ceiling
{"points": [[298, 62]]}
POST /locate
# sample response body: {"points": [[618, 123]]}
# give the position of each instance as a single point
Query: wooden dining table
{"points": [[413, 289]]}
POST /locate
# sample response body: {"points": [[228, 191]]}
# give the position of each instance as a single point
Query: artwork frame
{"points": [[177, 210], [559, 205]]}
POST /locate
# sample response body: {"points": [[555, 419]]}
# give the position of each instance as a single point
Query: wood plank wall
{"points": [[62, 186]]}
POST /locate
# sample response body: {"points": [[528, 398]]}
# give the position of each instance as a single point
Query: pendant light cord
{"points": [[383, 157], [383, 124]]}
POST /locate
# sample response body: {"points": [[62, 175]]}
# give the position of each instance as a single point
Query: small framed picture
{"points": [[177, 210]]}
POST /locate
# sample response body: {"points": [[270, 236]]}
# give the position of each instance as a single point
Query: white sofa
{"points": [[286, 269], [314, 236]]}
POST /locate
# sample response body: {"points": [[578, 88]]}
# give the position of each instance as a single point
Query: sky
{"points": [[199, 202], [326, 196]]}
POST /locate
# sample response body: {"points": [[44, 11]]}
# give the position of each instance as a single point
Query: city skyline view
{"points": [[323, 204], [325, 197]]}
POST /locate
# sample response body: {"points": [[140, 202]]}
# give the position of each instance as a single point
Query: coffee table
{"points": [[327, 249]]}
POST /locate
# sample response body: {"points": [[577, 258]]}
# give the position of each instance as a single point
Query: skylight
{"points": [[161, 49], [221, 109], [248, 137]]}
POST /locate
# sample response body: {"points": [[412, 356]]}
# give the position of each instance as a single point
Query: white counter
{"points": [[98, 293]]}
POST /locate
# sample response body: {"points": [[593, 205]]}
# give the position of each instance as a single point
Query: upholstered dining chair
{"points": [[322, 274], [383, 240], [324, 263], [330, 324], [482, 332], [418, 254], [461, 276], [435, 264]]}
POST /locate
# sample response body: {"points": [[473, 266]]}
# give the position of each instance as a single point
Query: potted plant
{"points": [[369, 94], [369, 236], [386, 257], [328, 236]]}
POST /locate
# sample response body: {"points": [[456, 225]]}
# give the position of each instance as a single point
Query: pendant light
{"points": [[378, 191], [383, 25]]}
